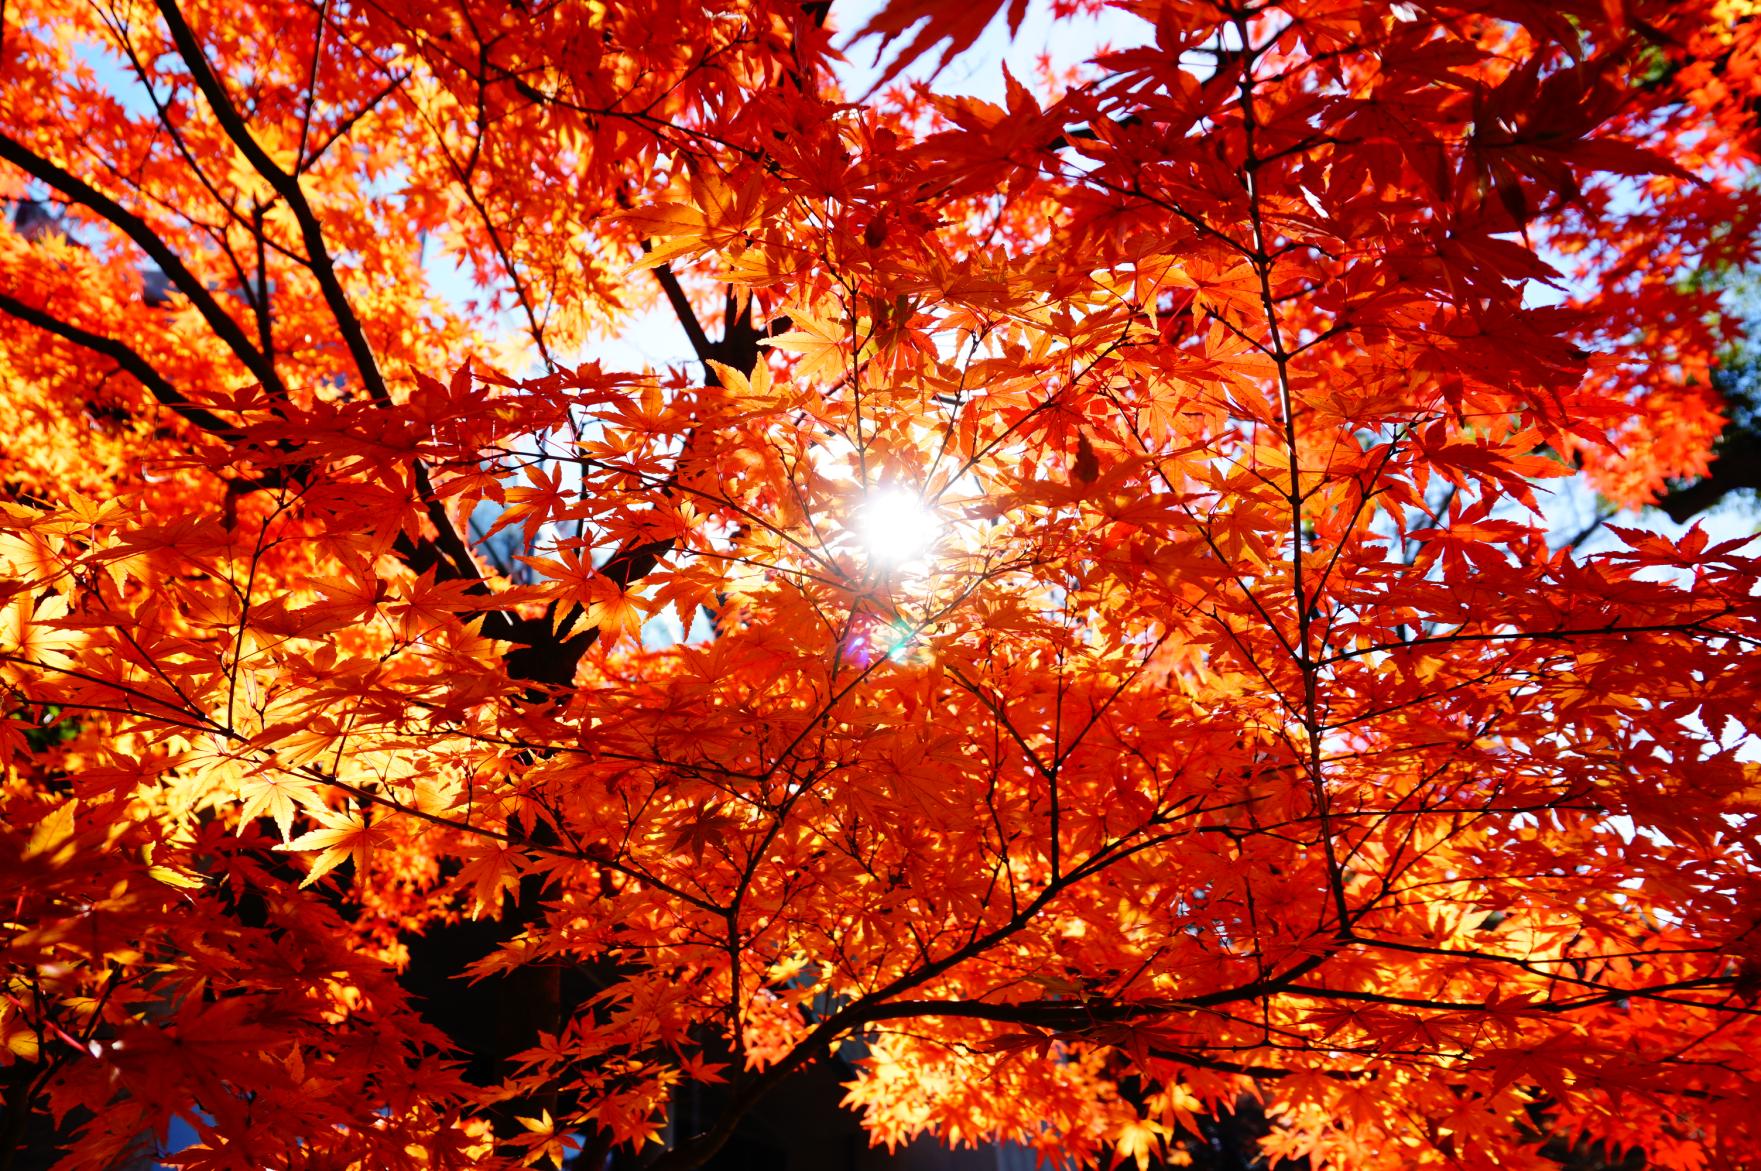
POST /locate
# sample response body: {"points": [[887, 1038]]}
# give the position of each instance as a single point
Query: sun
{"points": [[897, 527]]}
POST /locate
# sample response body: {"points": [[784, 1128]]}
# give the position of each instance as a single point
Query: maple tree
{"points": [[1119, 666]]}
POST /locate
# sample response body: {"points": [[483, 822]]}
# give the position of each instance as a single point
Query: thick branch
{"points": [[288, 187], [136, 229], [1736, 468], [323, 267], [143, 372], [675, 295]]}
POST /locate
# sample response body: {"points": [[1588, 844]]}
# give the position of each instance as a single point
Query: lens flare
{"points": [[897, 527]]}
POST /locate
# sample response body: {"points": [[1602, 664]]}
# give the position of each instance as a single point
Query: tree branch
{"points": [[288, 187], [157, 384], [136, 229]]}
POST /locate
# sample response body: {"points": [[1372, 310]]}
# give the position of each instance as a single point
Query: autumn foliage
{"points": [[1119, 662]]}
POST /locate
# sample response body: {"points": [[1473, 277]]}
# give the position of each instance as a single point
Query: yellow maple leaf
{"points": [[1139, 1140], [345, 835], [276, 796], [544, 1140], [820, 344], [53, 836], [170, 875]]}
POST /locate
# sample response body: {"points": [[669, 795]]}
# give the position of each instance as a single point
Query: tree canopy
{"points": [[1082, 642]]}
